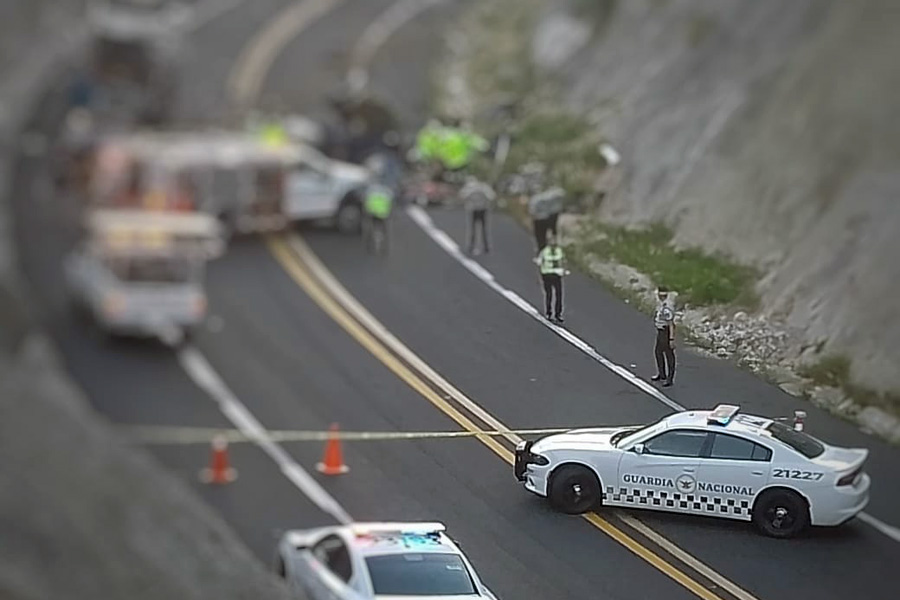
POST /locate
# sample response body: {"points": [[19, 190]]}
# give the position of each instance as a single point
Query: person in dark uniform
{"points": [[544, 209], [664, 321]]}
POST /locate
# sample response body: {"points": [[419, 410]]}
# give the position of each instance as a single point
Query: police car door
{"points": [[732, 471], [661, 472]]}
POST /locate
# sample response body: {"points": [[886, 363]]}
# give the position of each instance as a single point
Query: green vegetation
{"points": [[499, 53], [698, 278]]}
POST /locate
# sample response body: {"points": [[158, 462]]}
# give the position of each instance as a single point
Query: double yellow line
{"points": [[332, 298]]}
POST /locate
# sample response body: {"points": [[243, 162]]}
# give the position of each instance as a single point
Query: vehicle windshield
{"points": [[805, 444], [426, 574], [627, 434], [153, 270]]}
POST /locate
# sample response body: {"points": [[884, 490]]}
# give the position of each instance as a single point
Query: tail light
{"points": [[849, 478]]}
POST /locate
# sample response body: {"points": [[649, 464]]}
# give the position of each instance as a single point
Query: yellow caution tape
{"points": [[199, 435]]}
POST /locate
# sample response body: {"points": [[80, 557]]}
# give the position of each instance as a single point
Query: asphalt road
{"points": [[294, 367]]}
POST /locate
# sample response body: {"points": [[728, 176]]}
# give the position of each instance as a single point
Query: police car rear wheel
{"points": [[574, 490], [781, 514]]}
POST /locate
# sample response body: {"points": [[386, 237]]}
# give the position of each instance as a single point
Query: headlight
{"points": [[541, 461]]}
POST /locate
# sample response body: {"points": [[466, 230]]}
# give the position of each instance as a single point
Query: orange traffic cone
{"points": [[219, 470], [333, 461]]}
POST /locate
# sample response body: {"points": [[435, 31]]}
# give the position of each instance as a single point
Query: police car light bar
{"points": [[361, 529], [723, 414]]}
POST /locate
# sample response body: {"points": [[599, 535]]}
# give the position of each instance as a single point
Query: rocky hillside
{"points": [[764, 132]]}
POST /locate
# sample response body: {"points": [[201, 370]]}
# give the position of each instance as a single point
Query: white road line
{"points": [[423, 220], [888, 530], [380, 31], [205, 377], [254, 63], [350, 304]]}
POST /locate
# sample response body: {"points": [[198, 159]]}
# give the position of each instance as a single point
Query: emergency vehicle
{"points": [[141, 274], [718, 463], [365, 561], [135, 48], [246, 183]]}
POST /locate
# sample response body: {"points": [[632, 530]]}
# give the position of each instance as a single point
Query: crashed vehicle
{"points": [[248, 185]]}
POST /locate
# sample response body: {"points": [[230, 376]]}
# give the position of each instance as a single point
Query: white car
{"points": [[714, 463], [377, 560]]}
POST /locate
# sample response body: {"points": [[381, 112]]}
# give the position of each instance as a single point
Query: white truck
{"points": [[248, 185], [141, 274]]}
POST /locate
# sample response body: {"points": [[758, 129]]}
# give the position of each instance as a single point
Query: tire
{"points": [[349, 217], [781, 514], [574, 490]]}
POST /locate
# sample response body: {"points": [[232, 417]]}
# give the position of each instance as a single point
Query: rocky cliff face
{"points": [[767, 131]]}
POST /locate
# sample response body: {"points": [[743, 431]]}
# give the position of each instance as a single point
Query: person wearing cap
{"points": [[478, 198], [544, 209], [664, 351]]}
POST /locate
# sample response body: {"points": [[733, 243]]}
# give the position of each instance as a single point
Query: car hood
{"points": [[595, 437]]}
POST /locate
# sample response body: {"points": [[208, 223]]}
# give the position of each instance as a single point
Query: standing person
{"points": [[551, 261], [544, 209], [664, 320], [379, 201], [478, 198]]}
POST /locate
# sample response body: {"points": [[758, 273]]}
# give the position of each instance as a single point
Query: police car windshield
{"points": [[626, 433], [426, 574], [805, 444]]}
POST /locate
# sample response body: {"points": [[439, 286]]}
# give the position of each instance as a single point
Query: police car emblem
{"points": [[685, 484]]}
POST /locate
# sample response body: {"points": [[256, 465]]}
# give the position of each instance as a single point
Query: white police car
{"points": [[715, 463], [377, 560]]}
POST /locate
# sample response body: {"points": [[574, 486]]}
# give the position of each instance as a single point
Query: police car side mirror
{"points": [[638, 448]]}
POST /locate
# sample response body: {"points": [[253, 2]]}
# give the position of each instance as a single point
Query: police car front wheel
{"points": [[781, 514], [574, 489]]}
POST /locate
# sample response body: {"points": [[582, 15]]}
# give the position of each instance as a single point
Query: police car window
{"points": [[730, 447], [805, 444], [425, 574], [684, 442], [333, 553]]}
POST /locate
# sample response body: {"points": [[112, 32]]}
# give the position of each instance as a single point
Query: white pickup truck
{"points": [[141, 274]]}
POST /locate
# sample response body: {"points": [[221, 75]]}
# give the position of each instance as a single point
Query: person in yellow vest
{"points": [[378, 203], [459, 145], [551, 260]]}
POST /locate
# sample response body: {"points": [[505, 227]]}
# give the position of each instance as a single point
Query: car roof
{"points": [[375, 539], [210, 147], [750, 425]]}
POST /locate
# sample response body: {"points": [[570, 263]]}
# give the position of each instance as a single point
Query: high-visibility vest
{"points": [[428, 142], [378, 203], [551, 261]]}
